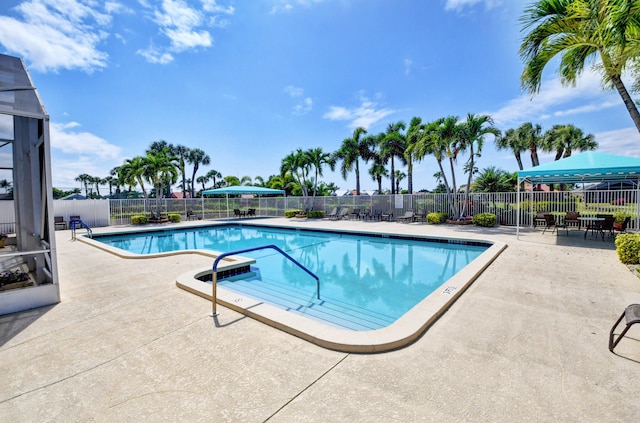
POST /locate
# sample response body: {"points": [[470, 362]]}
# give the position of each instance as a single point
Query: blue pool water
{"points": [[374, 278]]}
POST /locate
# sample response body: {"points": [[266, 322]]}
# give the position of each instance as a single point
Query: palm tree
{"points": [[531, 135], [116, 178], [378, 170], [214, 175], [132, 173], [202, 180], [511, 141], [297, 165], [471, 136], [196, 157], [181, 152], [414, 133], [258, 181], [581, 31], [160, 167], [393, 145], [399, 176], [85, 179], [564, 139], [317, 158], [246, 180], [492, 179], [351, 151]]}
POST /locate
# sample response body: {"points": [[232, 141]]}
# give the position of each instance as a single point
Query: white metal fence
{"points": [[96, 213]]}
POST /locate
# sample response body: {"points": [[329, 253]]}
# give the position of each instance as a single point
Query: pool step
{"points": [[305, 302]]}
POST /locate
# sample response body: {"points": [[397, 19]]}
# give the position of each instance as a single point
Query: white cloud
{"points": [[459, 5], [552, 96], [58, 34], [305, 105], [68, 141], [185, 26], [288, 5], [364, 115], [407, 66], [625, 141]]}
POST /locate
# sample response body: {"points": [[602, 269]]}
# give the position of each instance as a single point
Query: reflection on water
{"points": [[385, 275]]}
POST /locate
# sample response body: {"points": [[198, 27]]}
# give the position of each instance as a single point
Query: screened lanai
{"points": [[27, 261], [582, 168]]}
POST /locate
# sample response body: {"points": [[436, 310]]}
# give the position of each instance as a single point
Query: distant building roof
{"points": [[75, 196]]}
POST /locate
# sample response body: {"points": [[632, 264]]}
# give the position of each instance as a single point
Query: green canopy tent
{"points": [[585, 167], [239, 190]]}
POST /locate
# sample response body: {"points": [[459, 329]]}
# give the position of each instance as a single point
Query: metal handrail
{"points": [[214, 276]]}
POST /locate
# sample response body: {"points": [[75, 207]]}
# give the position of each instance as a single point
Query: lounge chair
{"points": [[59, 223], [406, 218], [550, 222], [342, 214], [332, 214], [632, 316]]}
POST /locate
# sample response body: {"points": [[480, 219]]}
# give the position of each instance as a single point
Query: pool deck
{"points": [[526, 342]]}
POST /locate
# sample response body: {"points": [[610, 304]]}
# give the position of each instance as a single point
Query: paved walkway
{"points": [[527, 342]]}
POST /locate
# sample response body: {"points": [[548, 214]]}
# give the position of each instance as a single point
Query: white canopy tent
{"points": [[585, 167]]}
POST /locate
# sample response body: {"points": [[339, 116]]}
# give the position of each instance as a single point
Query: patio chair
{"points": [[191, 215], [420, 216], [607, 226], [59, 223], [571, 219], [406, 218], [539, 219], [251, 212], [355, 214], [632, 316], [376, 215], [387, 216], [238, 213], [622, 228], [365, 215], [550, 222]]}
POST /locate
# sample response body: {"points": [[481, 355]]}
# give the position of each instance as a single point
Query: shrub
{"points": [[436, 217], [292, 212], [484, 219], [620, 216], [174, 217], [139, 219], [628, 248], [318, 214]]}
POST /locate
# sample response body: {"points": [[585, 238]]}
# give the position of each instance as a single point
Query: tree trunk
{"points": [[628, 102], [357, 177], [519, 160]]}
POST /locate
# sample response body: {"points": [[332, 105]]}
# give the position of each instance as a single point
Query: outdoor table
{"points": [[596, 224]]}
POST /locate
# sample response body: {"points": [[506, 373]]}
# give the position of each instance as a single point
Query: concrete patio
{"points": [[526, 342]]}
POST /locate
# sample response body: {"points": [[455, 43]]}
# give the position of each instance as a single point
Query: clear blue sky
{"points": [[251, 81]]}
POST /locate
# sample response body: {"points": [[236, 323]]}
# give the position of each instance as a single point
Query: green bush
{"points": [[436, 217], [620, 216], [484, 219], [628, 248], [139, 219], [317, 214], [292, 212], [174, 217]]}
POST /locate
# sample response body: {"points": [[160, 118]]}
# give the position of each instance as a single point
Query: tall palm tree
{"points": [[115, 173], [160, 168], [471, 135], [214, 175], [196, 157], [399, 176], [296, 164], [317, 158], [378, 170], [132, 173], [511, 141], [414, 133], [86, 180], [393, 145], [531, 135], [581, 31], [181, 152], [351, 151]]}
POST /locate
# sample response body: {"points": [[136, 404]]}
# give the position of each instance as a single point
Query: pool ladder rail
{"points": [[214, 276], [79, 223]]}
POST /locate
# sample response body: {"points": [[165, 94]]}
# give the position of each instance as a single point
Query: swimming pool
{"points": [[370, 282]]}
